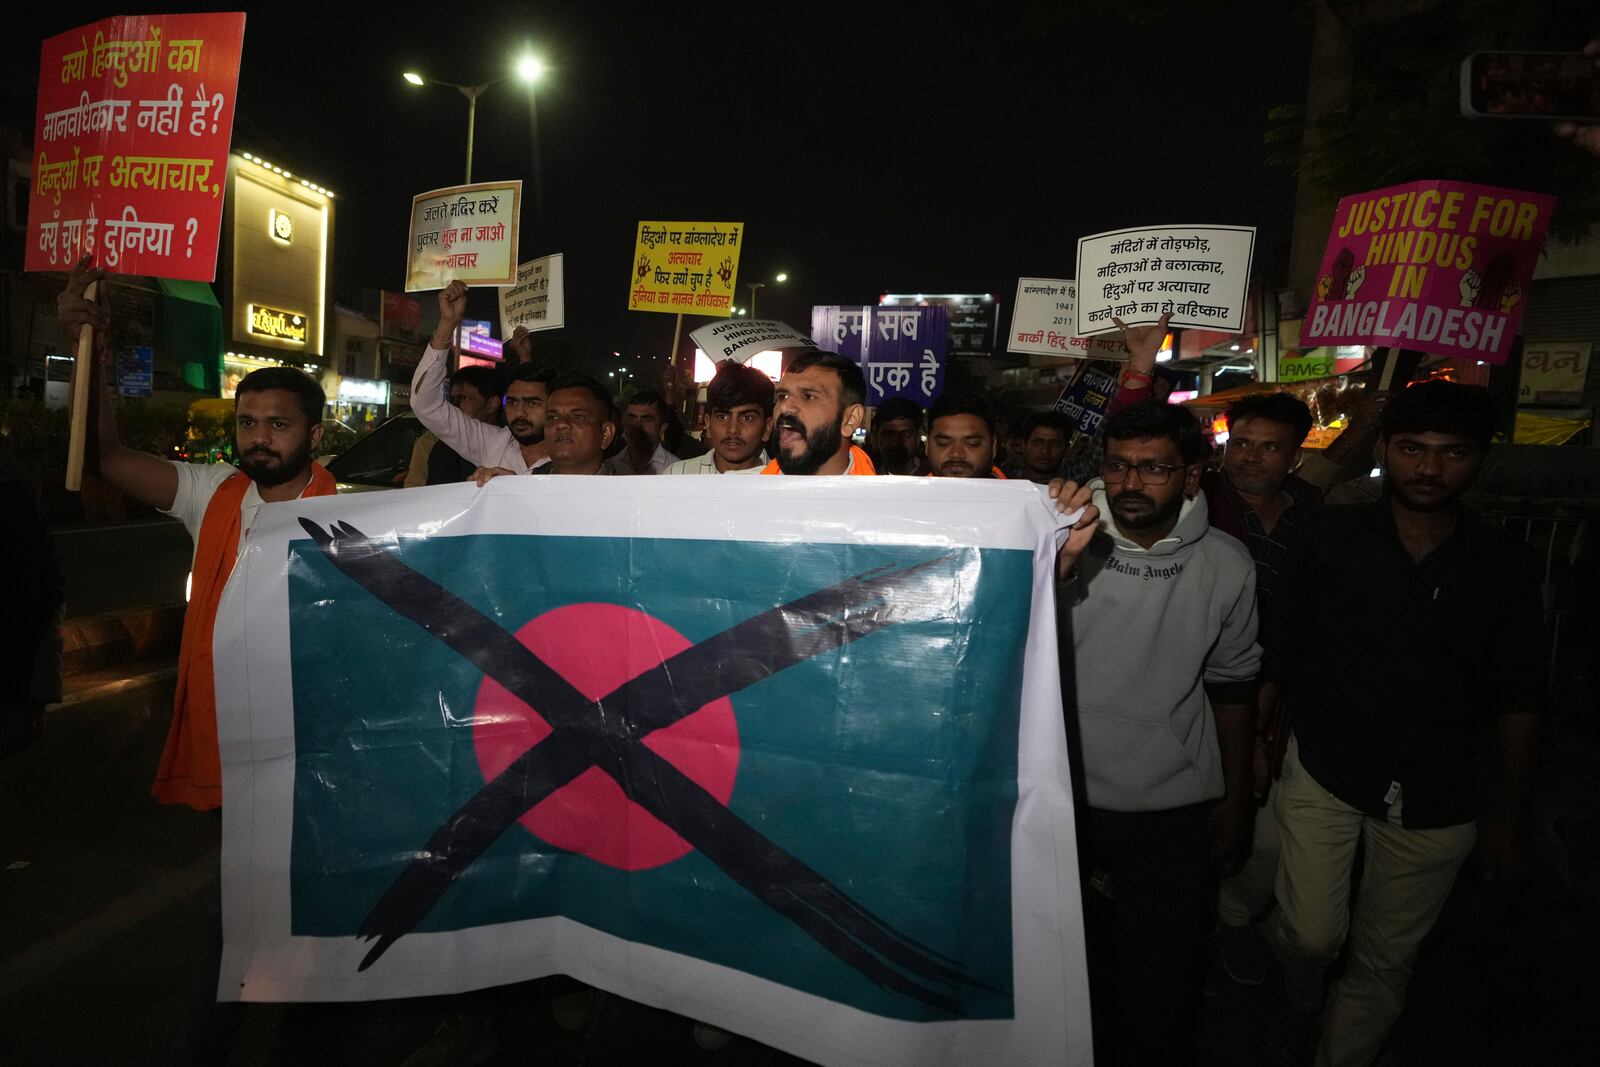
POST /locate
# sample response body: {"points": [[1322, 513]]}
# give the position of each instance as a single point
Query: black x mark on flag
{"points": [[607, 733]]}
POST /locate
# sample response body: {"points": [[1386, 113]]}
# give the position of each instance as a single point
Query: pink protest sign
{"points": [[131, 144], [1442, 267]]}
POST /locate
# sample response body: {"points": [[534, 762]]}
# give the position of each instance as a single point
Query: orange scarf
{"points": [[859, 464], [191, 768]]}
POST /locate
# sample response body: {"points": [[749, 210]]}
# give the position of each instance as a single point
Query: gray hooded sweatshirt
{"points": [[1151, 630]]}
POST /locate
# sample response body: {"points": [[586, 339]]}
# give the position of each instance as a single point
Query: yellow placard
{"points": [[685, 267]]}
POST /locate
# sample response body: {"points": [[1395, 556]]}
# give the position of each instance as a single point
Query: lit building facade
{"points": [[273, 271]]}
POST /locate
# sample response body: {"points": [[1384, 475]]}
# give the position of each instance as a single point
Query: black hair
{"points": [[1152, 418], [897, 407], [528, 372], [852, 385], [1439, 407], [1281, 408], [579, 380], [486, 380], [959, 403], [304, 387], [737, 384], [1049, 420], [651, 398]]}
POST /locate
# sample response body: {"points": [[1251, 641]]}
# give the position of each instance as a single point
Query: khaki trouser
{"points": [[1405, 880]]}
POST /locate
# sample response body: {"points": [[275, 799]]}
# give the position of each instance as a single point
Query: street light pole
{"points": [[529, 70], [472, 93], [753, 286]]}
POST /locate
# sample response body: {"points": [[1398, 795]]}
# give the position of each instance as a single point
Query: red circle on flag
{"points": [[597, 648]]}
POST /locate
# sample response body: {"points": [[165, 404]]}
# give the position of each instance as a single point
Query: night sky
{"points": [[868, 147]]}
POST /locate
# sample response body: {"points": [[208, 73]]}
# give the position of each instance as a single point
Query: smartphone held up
{"points": [[1546, 86]]}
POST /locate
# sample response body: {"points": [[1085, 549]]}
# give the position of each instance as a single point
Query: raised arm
{"points": [[1136, 381], [473, 440], [146, 478]]}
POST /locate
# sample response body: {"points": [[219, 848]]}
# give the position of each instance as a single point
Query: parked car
{"points": [[377, 460]]}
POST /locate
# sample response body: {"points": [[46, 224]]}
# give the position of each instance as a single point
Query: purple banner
{"points": [[1087, 396], [901, 350]]}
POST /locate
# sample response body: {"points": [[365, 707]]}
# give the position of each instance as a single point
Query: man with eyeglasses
{"points": [[519, 445], [1163, 623]]}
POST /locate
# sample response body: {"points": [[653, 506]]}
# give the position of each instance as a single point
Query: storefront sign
{"points": [[466, 233], [281, 225], [131, 144], [538, 300], [1439, 266], [1199, 275], [685, 267], [481, 344], [1294, 367], [363, 391], [282, 325], [136, 370], [1554, 372], [970, 318]]}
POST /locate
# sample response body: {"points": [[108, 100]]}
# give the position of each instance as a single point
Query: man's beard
{"points": [[897, 457], [822, 444], [267, 468], [525, 432], [1145, 517], [957, 469]]}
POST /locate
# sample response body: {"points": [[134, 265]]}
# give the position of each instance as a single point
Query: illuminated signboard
{"points": [[282, 325], [363, 391], [481, 344], [281, 226]]}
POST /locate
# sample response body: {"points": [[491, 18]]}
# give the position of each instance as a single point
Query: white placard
{"points": [[739, 339], [465, 233], [1200, 275], [538, 300]]}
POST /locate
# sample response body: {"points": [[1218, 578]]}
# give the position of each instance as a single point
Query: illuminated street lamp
{"points": [[780, 278], [530, 69]]}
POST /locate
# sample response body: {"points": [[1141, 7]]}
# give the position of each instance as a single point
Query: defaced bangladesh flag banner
{"points": [[784, 755]]}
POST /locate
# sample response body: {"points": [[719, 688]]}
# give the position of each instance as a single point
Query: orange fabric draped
{"points": [[191, 766]]}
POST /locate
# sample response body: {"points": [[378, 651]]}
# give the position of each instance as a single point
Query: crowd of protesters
{"points": [[1262, 686]]}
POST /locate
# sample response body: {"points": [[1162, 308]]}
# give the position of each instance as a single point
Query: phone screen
{"points": [[1541, 85]]}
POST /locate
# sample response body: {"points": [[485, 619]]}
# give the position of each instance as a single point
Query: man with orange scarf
{"points": [[818, 405], [277, 428]]}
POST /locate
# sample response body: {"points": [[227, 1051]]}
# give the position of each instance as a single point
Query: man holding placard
{"points": [[277, 428], [519, 446]]}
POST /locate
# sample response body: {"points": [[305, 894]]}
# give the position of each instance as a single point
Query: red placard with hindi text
{"points": [[130, 147]]}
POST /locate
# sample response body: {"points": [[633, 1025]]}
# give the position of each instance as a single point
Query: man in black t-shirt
{"points": [[1397, 631]]}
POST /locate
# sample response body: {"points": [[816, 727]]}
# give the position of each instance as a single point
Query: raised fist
{"points": [[1353, 283]]}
